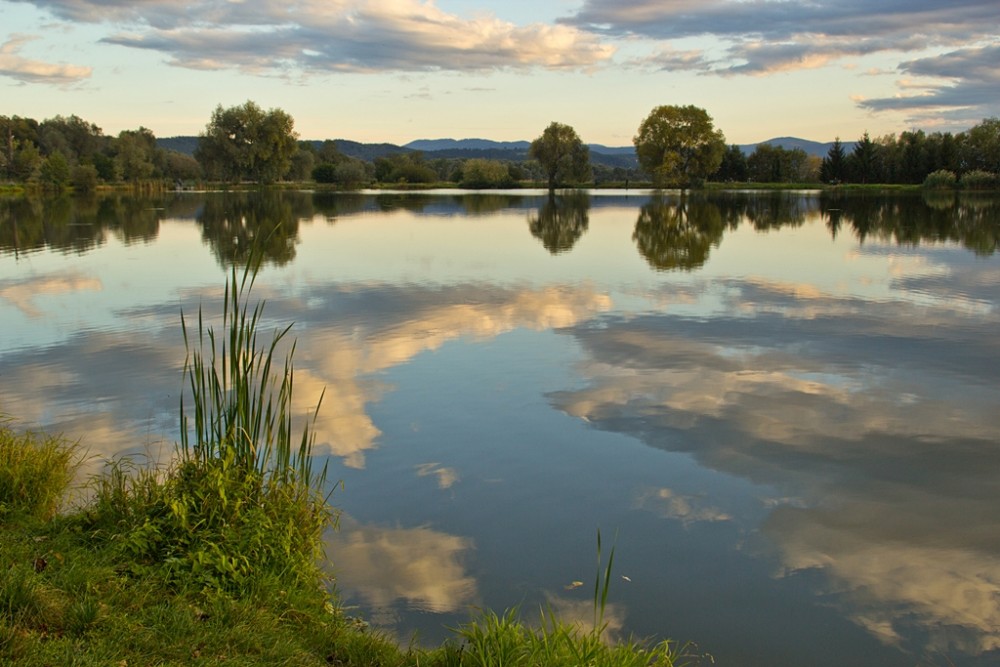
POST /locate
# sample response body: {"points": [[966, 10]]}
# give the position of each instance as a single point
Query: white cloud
{"points": [[342, 36], [36, 71]]}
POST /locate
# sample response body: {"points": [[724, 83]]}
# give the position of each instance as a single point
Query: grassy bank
{"points": [[214, 558]]}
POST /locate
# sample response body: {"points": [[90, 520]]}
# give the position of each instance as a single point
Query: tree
{"points": [[562, 155], [245, 142], [134, 154], [54, 171], [733, 167], [834, 167], [483, 173], [864, 163], [982, 146], [679, 145]]}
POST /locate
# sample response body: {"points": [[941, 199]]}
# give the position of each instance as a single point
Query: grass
{"points": [[214, 558]]}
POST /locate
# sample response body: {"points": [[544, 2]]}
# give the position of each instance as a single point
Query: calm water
{"points": [[785, 406]]}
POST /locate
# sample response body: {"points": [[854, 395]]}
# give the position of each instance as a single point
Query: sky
{"points": [[400, 70]]}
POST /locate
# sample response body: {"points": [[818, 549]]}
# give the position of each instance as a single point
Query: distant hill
{"points": [[436, 145], [791, 143], [184, 145], [515, 151]]}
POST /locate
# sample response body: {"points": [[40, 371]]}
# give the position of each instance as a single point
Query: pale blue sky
{"points": [[399, 70]]}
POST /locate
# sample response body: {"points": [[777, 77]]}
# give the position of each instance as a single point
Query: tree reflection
{"points": [[77, 224], [678, 234], [969, 220], [232, 223], [561, 221]]}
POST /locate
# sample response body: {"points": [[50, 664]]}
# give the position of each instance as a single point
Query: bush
{"points": [[942, 179], [242, 505], [978, 179], [35, 472], [482, 173], [325, 173]]}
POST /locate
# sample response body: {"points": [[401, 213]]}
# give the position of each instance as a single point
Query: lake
{"points": [[781, 408]]}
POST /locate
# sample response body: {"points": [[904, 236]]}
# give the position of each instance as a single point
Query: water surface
{"points": [[781, 407]]}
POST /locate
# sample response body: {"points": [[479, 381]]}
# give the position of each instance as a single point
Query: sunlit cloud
{"points": [[343, 36], [26, 70], [767, 37]]}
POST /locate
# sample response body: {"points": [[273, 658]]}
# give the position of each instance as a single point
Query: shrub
{"points": [[978, 179], [942, 179], [241, 506], [35, 472]]}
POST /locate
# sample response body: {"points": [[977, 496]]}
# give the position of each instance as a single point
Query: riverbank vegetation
{"points": [[249, 145], [215, 557]]}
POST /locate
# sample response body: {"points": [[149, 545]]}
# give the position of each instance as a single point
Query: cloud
{"points": [[762, 37], [35, 71], [971, 82], [342, 36]]}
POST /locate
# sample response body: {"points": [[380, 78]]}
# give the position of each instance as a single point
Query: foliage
{"points": [[941, 179], [834, 166], [482, 173], [242, 502], [979, 180], [404, 168], [54, 171], [733, 168], [679, 146], [135, 152], [562, 155], [246, 143], [84, 178], [774, 164], [35, 472]]}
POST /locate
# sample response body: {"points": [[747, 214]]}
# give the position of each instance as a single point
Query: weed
{"points": [[35, 472]]}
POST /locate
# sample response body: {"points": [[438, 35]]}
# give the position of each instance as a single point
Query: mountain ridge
{"points": [[500, 150]]}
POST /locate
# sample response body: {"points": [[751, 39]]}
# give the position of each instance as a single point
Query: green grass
{"points": [[213, 559], [35, 471]]}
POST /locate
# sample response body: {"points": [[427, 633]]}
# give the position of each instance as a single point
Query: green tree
{"points": [[834, 166], [135, 151], [245, 142], [982, 146], [54, 171], [562, 155], [483, 173], [679, 146], [864, 163], [733, 168]]}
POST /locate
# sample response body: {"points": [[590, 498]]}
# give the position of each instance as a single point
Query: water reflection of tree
{"points": [[234, 222], [973, 222], [76, 224], [678, 233], [561, 221]]}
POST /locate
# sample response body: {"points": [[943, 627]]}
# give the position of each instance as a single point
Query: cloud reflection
{"points": [[24, 294], [878, 420], [421, 567]]}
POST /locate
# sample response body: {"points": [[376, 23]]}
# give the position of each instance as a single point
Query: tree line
{"points": [[676, 146]]}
